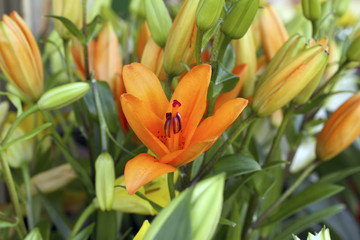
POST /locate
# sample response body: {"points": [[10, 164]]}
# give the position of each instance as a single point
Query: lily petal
{"points": [[142, 83], [214, 126], [142, 169], [146, 125], [182, 157], [191, 92]]}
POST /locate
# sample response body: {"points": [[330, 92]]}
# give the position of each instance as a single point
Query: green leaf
{"points": [[225, 81], [107, 104], [85, 234], [339, 175], [60, 224], [173, 222], [71, 27], [274, 164], [27, 136], [262, 182], [314, 193], [234, 232], [209, 33], [236, 165], [34, 235], [6, 222], [302, 223], [91, 27], [227, 222]]}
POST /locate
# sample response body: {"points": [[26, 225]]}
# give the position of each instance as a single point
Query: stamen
{"points": [[167, 124], [176, 103], [177, 123]]}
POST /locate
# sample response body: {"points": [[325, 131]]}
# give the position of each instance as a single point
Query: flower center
{"points": [[173, 126]]}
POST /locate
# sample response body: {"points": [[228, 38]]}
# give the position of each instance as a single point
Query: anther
{"points": [[167, 124], [177, 123]]}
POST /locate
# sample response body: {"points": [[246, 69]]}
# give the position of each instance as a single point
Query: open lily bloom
{"points": [[171, 130]]}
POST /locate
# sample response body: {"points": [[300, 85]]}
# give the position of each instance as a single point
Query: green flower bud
{"points": [[205, 209], [239, 18], [340, 7], [105, 181], [34, 235], [137, 8], [63, 95], [208, 13], [311, 9], [353, 52], [159, 20]]}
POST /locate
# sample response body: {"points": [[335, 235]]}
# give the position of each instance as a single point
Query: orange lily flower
{"points": [[171, 130]]}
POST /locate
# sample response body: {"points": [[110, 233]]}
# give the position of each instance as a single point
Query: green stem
{"points": [[288, 192], [248, 136], [199, 37], [223, 147], [168, 82], [280, 132], [68, 59], [314, 29], [170, 178], [26, 176], [85, 46], [100, 113], [83, 217], [18, 120], [249, 215], [8, 179]]}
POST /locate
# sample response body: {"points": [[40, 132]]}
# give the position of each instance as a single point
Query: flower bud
{"points": [[208, 13], [137, 8], [18, 152], [52, 179], [292, 47], [353, 51], [288, 81], [20, 56], [238, 20], [180, 45], [70, 9], [144, 36], [340, 7], [340, 130], [34, 235], [63, 95], [205, 209], [311, 9], [105, 181], [245, 53], [153, 58], [273, 32], [159, 20]]}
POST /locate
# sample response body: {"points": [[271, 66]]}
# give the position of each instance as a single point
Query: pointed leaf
{"points": [[236, 165], [71, 27], [339, 175], [85, 234]]}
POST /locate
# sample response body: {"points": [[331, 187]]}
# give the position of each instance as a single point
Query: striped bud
{"points": [[311, 9], [159, 21], [63, 95], [208, 13], [240, 16], [288, 81], [105, 181], [340, 130]]}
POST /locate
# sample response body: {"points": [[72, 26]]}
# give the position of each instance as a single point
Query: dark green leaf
{"points": [[339, 175], [263, 182], [224, 221], [209, 33], [55, 217], [313, 103], [312, 194], [71, 27], [85, 234], [274, 164], [91, 27], [107, 104], [236, 165], [225, 81], [302, 223]]}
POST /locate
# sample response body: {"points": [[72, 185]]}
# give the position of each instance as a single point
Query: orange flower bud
{"points": [[288, 81], [20, 58], [153, 58], [180, 45], [273, 32], [340, 130], [144, 36]]}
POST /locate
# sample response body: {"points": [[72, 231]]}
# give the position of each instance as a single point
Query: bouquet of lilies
{"points": [[193, 119]]}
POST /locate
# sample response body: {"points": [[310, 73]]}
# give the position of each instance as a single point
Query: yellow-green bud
{"points": [[63, 95], [105, 181], [288, 81], [353, 52], [159, 21], [340, 7], [137, 8], [205, 209], [240, 16], [290, 49], [208, 13], [311, 9]]}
